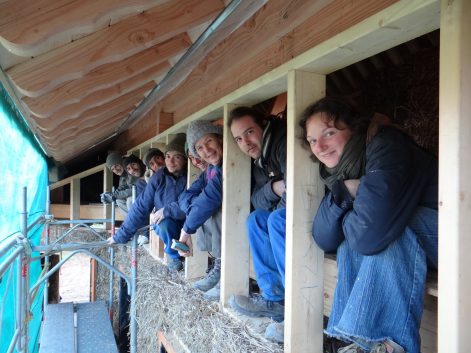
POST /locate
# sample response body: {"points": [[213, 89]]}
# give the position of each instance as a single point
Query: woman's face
{"points": [[209, 148], [134, 169], [326, 141], [175, 161]]}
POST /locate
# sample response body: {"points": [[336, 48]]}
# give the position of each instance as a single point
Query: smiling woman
{"points": [[24, 165]]}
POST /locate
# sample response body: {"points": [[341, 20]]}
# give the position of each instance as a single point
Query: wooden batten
{"points": [[45, 72], [304, 260], [454, 286], [235, 209]]}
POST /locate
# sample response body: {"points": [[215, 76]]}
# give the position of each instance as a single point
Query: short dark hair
{"points": [[240, 112], [336, 110]]}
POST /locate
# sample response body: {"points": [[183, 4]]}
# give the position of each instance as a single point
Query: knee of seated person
{"points": [[254, 217], [277, 216]]}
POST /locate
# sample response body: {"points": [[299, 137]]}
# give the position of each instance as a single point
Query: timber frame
{"points": [[303, 78]]}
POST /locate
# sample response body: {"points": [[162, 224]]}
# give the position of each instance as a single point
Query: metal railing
{"points": [[19, 250]]}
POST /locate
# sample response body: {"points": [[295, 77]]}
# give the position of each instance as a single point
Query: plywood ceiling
{"points": [[79, 68]]}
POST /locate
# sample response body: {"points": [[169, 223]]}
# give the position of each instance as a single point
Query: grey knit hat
{"points": [[153, 152], [113, 158], [197, 129], [177, 144]]}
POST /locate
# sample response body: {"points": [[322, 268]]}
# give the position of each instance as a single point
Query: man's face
{"points": [[134, 169], [209, 148], [175, 161], [156, 162], [248, 136], [117, 169]]}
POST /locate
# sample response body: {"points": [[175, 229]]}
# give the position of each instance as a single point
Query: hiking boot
{"points": [[175, 264], [387, 346], [213, 294], [352, 348], [257, 306], [211, 279], [275, 332]]}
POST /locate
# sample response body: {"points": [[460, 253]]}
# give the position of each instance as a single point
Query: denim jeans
{"points": [[208, 236], [267, 239], [167, 230], [381, 296]]}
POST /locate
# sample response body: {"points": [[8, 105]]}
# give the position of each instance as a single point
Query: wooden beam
{"points": [[454, 286], [273, 21], [57, 127], [75, 199], [107, 187], [117, 42], [235, 210], [107, 75], [27, 30], [84, 174], [304, 260], [196, 265]]}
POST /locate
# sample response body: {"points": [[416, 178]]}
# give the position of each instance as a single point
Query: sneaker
{"points": [[213, 294], [175, 264], [257, 306], [387, 346], [352, 348], [211, 279], [276, 332]]}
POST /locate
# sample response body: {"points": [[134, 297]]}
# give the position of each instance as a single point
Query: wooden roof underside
{"points": [[81, 69]]}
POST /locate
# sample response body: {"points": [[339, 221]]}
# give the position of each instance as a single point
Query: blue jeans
{"points": [[167, 230], [381, 296], [267, 240]]}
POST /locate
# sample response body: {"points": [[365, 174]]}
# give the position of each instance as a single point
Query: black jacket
{"points": [[270, 167], [399, 177]]}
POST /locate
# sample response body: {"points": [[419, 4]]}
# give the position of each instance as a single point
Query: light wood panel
{"points": [[454, 285], [214, 77], [27, 30], [117, 42], [106, 76]]}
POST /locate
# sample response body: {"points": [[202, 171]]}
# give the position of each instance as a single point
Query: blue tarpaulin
{"points": [[23, 164]]}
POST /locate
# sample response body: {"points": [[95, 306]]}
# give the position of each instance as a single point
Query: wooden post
{"points": [[454, 286], [235, 209], [196, 265], [107, 186], [304, 260], [75, 199]]}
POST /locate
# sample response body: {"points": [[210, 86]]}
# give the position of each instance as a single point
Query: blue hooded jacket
{"points": [[399, 177], [202, 199], [162, 190]]}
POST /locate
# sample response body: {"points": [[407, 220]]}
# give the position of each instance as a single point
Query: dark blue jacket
{"points": [[162, 190], [199, 206], [270, 168], [399, 177]]}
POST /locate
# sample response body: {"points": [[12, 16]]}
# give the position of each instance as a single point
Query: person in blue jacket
{"points": [[264, 140], [203, 200], [162, 192], [380, 216]]}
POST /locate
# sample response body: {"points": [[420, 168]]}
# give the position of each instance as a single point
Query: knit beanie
{"points": [[177, 144], [197, 129], [113, 158], [153, 152]]}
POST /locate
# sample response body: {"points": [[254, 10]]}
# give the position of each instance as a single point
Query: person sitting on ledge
{"points": [[380, 216], [161, 193]]}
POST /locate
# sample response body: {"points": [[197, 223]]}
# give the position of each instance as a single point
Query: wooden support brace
{"points": [[235, 209], [107, 186], [304, 260], [454, 286], [75, 199]]}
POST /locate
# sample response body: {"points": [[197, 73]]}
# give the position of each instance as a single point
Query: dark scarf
{"points": [[351, 164]]}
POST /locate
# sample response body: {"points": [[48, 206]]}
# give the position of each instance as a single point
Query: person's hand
{"points": [[157, 216], [110, 241], [278, 187], [142, 239], [352, 186], [377, 121], [107, 197], [186, 239]]}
